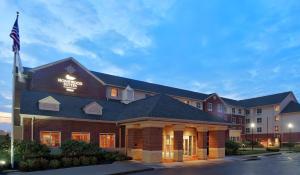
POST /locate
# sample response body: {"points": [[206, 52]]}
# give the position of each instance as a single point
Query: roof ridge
{"points": [[265, 96]]}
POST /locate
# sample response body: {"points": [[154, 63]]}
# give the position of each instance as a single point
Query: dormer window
{"points": [[49, 104], [93, 108], [128, 95], [114, 92]]}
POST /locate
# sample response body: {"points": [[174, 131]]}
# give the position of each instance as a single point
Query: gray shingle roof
{"points": [[264, 100], [161, 106], [150, 87], [291, 107]]}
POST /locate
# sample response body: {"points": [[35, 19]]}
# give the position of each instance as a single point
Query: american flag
{"points": [[14, 34]]}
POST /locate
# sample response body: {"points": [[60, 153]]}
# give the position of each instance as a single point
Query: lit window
{"points": [[277, 108], [247, 120], [258, 129], [209, 106], [114, 92], [50, 138], [199, 105], [186, 101], [276, 128], [258, 120], [81, 136], [233, 110], [277, 118], [107, 140], [258, 111], [247, 130]]}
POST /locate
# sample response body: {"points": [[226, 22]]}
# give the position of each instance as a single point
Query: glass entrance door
{"points": [[168, 147], [187, 145]]}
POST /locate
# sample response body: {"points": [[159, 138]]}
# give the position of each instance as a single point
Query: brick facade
{"points": [[135, 138], [216, 139], [202, 139], [152, 138], [178, 140]]}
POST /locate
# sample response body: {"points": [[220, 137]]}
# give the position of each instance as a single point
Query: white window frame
{"points": [[51, 138], [111, 91], [220, 108], [210, 107], [199, 105], [108, 134], [257, 111]]}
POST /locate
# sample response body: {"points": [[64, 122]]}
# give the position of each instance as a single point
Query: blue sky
{"points": [[238, 49]]}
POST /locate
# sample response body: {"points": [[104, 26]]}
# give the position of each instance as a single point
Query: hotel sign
{"points": [[69, 83]]}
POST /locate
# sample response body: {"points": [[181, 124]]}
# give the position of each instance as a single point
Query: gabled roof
{"points": [[159, 106], [150, 87], [291, 107], [164, 106], [231, 102], [264, 100]]}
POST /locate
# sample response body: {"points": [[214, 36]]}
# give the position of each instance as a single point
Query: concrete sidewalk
{"points": [[124, 167]]}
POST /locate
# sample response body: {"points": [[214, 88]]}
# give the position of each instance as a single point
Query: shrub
{"points": [[272, 149], [93, 160], [84, 160], [54, 164], [76, 161], [231, 147], [77, 148], [44, 163], [33, 164], [23, 166], [66, 162], [30, 149]]}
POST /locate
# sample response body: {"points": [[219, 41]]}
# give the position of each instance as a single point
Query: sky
{"points": [[238, 49]]}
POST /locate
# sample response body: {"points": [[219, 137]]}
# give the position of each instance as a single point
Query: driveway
{"points": [[285, 164]]}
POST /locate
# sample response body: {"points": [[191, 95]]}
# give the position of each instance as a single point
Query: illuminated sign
{"points": [[69, 83]]}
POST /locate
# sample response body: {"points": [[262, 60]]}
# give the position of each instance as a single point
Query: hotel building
{"points": [[64, 100]]}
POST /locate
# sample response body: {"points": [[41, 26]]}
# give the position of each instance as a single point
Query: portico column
{"points": [[178, 143], [202, 143], [134, 142], [217, 142], [152, 142]]}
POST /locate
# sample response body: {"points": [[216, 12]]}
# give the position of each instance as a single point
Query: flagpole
{"points": [[13, 111]]}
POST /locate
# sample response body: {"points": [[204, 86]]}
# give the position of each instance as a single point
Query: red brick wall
{"points": [[216, 139], [66, 127], [27, 128], [215, 102], [202, 139], [178, 140], [135, 138], [152, 139], [46, 80]]}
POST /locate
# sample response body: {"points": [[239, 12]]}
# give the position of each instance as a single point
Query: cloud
{"points": [[6, 95], [5, 117]]}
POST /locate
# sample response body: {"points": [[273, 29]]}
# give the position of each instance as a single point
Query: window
{"points": [[199, 105], [258, 111], [240, 121], [209, 106], [247, 120], [49, 104], [114, 92], [240, 111], [107, 140], [233, 119], [247, 111], [258, 129], [233, 110], [277, 108], [276, 128], [277, 118], [247, 130], [258, 120], [50, 138], [220, 108], [81, 136], [186, 101]]}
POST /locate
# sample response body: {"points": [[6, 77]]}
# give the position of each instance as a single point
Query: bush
{"points": [[93, 160], [84, 160], [272, 149], [231, 147], [44, 163], [30, 149], [54, 164], [23, 166], [66, 162], [73, 148], [33, 164], [76, 161]]}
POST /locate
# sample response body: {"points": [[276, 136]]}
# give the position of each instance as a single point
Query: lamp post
{"points": [[290, 126], [252, 125]]}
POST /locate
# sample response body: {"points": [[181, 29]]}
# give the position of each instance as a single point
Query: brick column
{"points": [[135, 143], [178, 145], [216, 144], [152, 144], [202, 143]]}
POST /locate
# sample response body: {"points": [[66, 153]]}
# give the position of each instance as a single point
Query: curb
{"points": [[133, 171]]}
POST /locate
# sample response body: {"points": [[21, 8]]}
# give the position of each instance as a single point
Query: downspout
{"points": [[32, 122]]}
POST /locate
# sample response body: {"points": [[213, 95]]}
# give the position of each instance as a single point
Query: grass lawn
{"points": [[250, 152]]}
